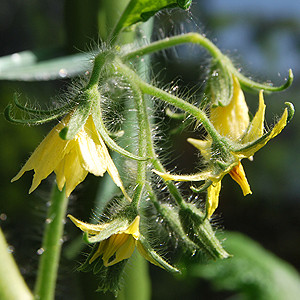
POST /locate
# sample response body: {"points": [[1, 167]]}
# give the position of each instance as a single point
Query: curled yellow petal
{"points": [[212, 201], [87, 227], [193, 177], [256, 127], [237, 173], [249, 150]]}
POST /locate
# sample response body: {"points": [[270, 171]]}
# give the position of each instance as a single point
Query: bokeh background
{"points": [[261, 37]]}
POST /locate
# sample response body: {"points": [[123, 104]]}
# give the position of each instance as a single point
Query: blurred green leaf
{"points": [[142, 10], [253, 272], [27, 66]]}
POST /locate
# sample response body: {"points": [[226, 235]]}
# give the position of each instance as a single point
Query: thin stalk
{"points": [[194, 38], [51, 246], [99, 61], [120, 24], [146, 139], [142, 143], [177, 102], [198, 39], [12, 284]]}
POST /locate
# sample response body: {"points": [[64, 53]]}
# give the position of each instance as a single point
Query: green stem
{"points": [[137, 285], [142, 143], [99, 61], [248, 83], [145, 137], [194, 38], [120, 24], [200, 115], [12, 284], [51, 246]]}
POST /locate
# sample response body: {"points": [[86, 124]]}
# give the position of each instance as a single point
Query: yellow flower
{"points": [[233, 123], [71, 160], [117, 241]]}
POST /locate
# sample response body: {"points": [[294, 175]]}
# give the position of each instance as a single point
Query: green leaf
{"points": [[142, 10], [27, 66], [220, 85], [252, 272]]}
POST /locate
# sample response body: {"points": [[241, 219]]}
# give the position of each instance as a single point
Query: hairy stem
{"points": [[194, 38], [142, 146], [146, 136], [51, 246], [199, 114], [198, 39]]}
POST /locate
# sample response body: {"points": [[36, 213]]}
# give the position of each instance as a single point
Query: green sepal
{"points": [[112, 228], [199, 230], [86, 266], [97, 117], [51, 112], [202, 188], [219, 87], [109, 278], [250, 85], [159, 261], [291, 110], [33, 121], [171, 217], [78, 117]]}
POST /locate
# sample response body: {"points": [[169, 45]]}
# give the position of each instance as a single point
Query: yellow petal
{"points": [[70, 172], [237, 173], [92, 149], [232, 120], [256, 128], [249, 151], [100, 250], [133, 228], [213, 198], [95, 155], [192, 177], [120, 246], [45, 157], [86, 227], [203, 146]]}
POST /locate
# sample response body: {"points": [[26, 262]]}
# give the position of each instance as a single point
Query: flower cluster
{"points": [[79, 144], [242, 138]]}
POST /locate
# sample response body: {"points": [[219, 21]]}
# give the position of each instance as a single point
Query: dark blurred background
{"points": [[261, 37]]}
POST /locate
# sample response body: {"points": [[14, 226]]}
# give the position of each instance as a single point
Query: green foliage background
{"points": [[262, 43]]}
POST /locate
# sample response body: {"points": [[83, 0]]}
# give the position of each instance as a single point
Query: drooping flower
{"points": [[117, 241], [244, 138], [71, 160]]}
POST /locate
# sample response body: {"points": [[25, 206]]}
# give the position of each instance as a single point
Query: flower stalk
{"points": [[51, 246]]}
